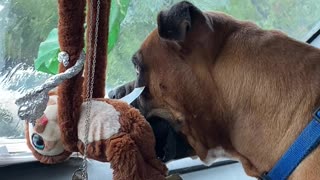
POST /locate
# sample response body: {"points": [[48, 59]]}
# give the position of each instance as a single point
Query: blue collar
{"points": [[307, 141]]}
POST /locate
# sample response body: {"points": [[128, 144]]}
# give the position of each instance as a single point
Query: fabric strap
{"points": [[307, 141]]}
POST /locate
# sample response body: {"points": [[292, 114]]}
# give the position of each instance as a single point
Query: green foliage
{"points": [[30, 22], [47, 60], [294, 17], [117, 13], [28, 30]]}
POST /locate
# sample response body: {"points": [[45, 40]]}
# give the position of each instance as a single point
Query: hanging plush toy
{"points": [[76, 117], [117, 134]]}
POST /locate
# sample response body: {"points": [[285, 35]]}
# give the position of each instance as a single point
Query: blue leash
{"points": [[307, 141]]}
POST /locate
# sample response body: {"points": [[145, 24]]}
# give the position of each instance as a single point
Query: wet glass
{"points": [[26, 23]]}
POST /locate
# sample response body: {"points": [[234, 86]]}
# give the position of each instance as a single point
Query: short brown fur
{"points": [[231, 84], [101, 52], [71, 30]]}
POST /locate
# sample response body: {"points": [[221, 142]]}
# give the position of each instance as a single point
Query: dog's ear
{"points": [[175, 23]]}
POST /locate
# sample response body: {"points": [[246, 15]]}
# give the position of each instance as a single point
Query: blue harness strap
{"points": [[307, 141]]}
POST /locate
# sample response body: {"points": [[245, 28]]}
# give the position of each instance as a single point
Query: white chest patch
{"points": [[103, 122], [213, 154]]}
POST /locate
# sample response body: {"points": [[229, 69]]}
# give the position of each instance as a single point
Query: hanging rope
{"points": [[89, 78], [71, 20], [95, 69], [101, 48]]}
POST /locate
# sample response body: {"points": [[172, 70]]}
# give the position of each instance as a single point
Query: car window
{"points": [[27, 23]]}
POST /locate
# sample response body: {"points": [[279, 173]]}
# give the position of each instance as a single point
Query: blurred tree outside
{"points": [[294, 17], [27, 23]]}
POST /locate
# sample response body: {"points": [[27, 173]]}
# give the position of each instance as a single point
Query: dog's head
{"points": [[175, 64]]}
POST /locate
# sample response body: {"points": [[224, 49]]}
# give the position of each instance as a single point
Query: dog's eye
{"points": [[37, 141], [137, 71]]}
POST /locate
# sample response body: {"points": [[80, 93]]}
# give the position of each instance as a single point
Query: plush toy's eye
{"points": [[37, 141]]}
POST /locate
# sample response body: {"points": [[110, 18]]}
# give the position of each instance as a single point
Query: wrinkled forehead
{"points": [[156, 51], [151, 39]]}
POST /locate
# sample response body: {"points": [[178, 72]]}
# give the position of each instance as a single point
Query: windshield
{"points": [[27, 23]]}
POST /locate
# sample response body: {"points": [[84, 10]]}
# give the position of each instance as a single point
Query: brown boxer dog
{"points": [[233, 89]]}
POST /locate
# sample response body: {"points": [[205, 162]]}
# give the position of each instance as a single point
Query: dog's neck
{"points": [[270, 94], [262, 92]]}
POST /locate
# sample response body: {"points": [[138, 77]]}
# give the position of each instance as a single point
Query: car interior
{"points": [[28, 25]]}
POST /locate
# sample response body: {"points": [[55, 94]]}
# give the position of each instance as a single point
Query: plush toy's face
{"points": [[45, 135]]}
